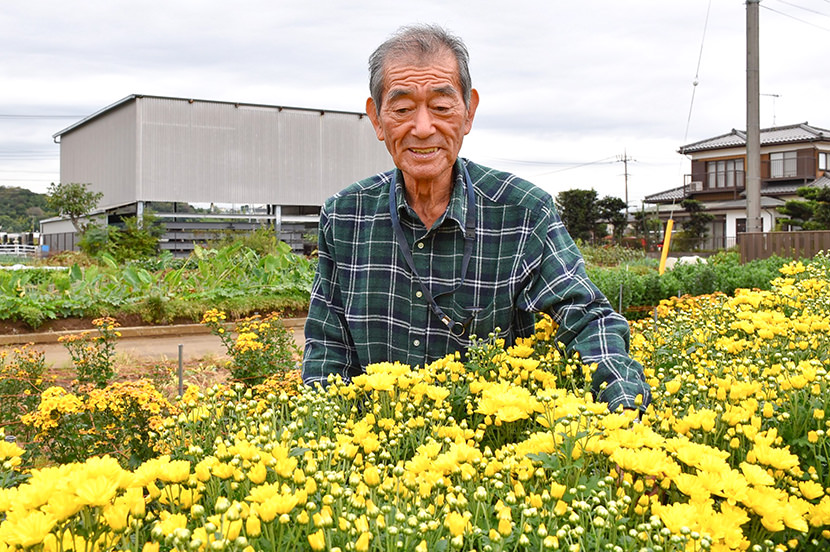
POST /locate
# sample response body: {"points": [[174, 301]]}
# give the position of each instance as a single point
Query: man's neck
{"points": [[429, 200]]}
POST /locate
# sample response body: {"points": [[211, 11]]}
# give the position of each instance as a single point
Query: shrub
{"points": [[21, 383], [135, 240], [263, 240], [120, 420], [93, 353], [609, 255], [642, 285], [259, 347]]}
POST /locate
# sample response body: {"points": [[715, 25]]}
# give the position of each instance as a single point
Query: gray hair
{"points": [[421, 42]]}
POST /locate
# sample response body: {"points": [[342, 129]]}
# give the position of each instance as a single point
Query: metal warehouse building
{"points": [[263, 164]]}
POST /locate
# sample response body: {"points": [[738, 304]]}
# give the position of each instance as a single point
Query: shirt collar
{"points": [[457, 208]]}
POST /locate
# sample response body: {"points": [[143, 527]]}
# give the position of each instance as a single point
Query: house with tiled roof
{"points": [[791, 157]]}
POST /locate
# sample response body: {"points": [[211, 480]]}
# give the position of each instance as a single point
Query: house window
{"points": [[823, 160], [783, 164], [740, 226], [727, 173]]}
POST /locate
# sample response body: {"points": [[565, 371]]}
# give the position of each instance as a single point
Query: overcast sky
{"points": [[567, 87]]}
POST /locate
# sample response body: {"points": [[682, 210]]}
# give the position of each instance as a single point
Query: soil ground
{"points": [[142, 351]]}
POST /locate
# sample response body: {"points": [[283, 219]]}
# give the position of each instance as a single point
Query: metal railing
{"points": [[707, 244], [19, 250], [734, 180], [790, 168]]}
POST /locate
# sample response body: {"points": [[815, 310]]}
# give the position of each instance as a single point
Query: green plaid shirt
{"points": [[366, 307]]}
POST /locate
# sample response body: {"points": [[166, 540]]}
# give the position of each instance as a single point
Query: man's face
{"points": [[423, 119]]}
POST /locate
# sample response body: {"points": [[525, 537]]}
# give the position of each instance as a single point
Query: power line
{"points": [[29, 157], [697, 72], [25, 172], [23, 151], [604, 161], [803, 8], [547, 163], [796, 18], [26, 116]]}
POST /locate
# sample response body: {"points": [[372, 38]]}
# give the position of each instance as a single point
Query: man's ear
{"points": [[372, 113], [471, 111]]}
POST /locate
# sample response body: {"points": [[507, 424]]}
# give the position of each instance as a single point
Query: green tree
{"points": [[22, 209], [612, 210], [648, 228], [36, 213], [811, 214], [696, 227], [579, 213], [133, 241], [73, 200], [821, 212]]}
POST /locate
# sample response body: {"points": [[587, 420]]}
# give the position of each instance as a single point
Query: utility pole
{"points": [[753, 116], [624, 159]]}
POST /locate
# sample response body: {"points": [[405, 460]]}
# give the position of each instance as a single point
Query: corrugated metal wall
{"points": [[227, 153], [150, 148], [103, 154]]}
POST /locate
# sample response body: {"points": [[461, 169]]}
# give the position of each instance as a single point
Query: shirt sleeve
{"points": [[588, 324], [329, 348]]}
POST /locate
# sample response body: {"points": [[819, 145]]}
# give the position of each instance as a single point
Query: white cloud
{"points": [[562, 83]]}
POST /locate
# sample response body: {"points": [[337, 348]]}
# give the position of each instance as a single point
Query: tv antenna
{"points": [[773, 96]]}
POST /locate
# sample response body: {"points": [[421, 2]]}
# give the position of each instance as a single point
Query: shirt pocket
{"points": [[480, 321]]}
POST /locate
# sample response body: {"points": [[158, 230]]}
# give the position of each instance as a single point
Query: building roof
{"points": [[768, 190], [731, 204], [802, 132], [823, 182], [666, 196], [790, 188], [133, 97]]}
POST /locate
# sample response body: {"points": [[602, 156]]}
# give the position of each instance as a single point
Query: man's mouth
{"points": [[423, 151]]}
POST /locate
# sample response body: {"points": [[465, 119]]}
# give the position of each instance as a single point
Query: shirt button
{"points": [[418, 294], [417, 342], [420, 245]]}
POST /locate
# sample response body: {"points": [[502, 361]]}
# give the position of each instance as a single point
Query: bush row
{"points": [[640, 284]]}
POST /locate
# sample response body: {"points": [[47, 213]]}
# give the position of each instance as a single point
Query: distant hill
{"points": [[18, 208]]}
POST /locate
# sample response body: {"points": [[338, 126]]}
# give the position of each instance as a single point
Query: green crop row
{"points": [[241, 281], [631, 287], [235, 278]]}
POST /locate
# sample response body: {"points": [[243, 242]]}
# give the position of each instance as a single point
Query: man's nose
{"points": [[424, 126]]}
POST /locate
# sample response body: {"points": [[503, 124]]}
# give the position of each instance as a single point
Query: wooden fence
{"points": [[796, 245]]}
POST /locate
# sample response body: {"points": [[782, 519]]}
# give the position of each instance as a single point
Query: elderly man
{"points": [[414, 261]]}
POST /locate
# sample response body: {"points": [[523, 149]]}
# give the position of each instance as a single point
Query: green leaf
{"points": [[298, 451], [109, 260]]}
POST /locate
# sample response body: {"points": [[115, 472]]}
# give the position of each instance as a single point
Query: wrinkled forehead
{"points": [[441, 64]]}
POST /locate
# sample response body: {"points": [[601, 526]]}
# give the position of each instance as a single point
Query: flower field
{"points": [[501, 450]]}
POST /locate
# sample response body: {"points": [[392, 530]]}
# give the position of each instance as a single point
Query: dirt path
{"points": [[147, 349], [137, 353]]}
